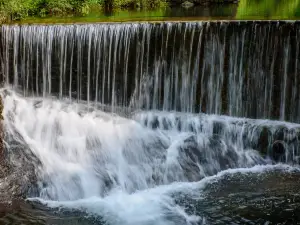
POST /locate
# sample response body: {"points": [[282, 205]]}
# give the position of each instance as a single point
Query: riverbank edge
{"points": [[169, 20], [7, 17]]}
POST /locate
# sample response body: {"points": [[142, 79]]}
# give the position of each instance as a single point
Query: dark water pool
{"points": [[265, 198]]}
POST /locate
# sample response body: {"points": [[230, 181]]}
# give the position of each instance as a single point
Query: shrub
{"points": [[18, 9], [146, 4]]}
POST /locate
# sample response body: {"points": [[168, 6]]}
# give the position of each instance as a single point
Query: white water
{"points": [[155, 205], [211, 67], [121, 169]]}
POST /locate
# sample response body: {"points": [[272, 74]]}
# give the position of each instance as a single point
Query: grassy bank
{"points": [[19, 9]]}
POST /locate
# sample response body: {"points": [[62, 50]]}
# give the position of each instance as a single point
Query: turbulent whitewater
{"points": [[137, 124], [127, 169]]}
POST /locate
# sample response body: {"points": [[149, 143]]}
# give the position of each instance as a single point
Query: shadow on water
{"points": [[25, 212]]}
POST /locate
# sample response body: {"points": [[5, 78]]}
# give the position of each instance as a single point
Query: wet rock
{"points": [[280, 133], [248, 134], [154, 124], [278, 151], [19, 180], [263, 141], [3, 168], [218, 127], [18, 165], [268, 197], [204, 158]]}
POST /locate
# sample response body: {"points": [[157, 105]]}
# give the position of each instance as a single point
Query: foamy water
{"points": [[121, 169], [156, 205]]}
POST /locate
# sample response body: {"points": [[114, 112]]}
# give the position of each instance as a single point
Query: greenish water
{"points": [[245, 10], [165, 14]]}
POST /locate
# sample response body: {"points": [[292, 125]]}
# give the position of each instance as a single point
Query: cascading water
{"points": [[244, 69], [109, 115], [106, 163]]}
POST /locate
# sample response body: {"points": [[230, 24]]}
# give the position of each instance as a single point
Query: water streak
{"points": [[239, 69]]}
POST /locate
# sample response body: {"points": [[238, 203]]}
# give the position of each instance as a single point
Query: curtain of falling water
{"points": [[247, 69]]}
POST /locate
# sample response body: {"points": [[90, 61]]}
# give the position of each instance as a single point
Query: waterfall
{"points": [[243, 69], [126, 170], [129, 120], [104, 151]]}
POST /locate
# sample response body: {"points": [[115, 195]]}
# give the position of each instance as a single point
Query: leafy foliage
{"points": [[136, 3], [18, 9], [247, 9]]}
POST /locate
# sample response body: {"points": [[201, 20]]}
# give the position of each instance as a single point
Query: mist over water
{"points": [[133, 122]]}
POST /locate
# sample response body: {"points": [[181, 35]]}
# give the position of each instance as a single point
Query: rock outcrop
{"points": [[272, 139], [17, 165], [2, 156]]}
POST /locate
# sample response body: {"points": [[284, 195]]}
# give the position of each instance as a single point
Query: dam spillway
{"points": [[243, 69]]}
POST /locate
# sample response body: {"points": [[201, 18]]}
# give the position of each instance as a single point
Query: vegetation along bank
{"points": [[18, 9]]}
